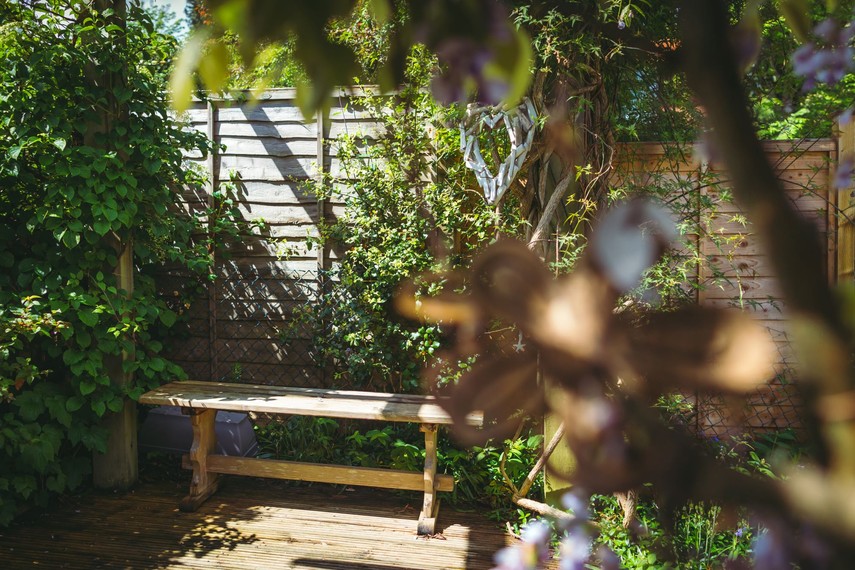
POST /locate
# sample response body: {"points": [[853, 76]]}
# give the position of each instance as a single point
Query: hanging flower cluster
{"points": [[829, 57]]}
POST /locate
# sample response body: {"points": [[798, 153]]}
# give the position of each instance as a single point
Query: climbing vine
{"points": [[72, 191]]}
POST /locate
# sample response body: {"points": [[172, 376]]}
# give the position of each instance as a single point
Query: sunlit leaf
{"points": [[797, 15], [214, 66], [181, 82]]}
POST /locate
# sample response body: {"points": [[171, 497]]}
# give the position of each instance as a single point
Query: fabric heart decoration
{"points": [[520, 125]]}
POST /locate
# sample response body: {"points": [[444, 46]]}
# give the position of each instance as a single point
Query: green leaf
{"points": [[74, 403], [116, 404], [57, 408], [88, 318], [30, 405], [56, 483], [87, 387], [101, 227], [70, 239], [167, 317], [59, 143], [214, 66], [181, 81]]}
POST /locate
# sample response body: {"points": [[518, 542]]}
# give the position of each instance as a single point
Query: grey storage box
{"points": [[167, 429]]}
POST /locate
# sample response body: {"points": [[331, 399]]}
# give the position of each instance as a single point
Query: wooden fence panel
{"points": [[735, 272], [271, 273], [272, 156]]}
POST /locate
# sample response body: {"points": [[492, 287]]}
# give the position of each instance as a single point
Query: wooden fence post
{"points": [[561, 462], [118, 467], [212, 166], [846, 208]]}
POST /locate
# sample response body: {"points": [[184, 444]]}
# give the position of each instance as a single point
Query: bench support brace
{"points": [[430, 508], [204, 483]]}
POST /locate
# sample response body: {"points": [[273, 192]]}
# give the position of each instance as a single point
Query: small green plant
{"points": [[699, 538], [299, 438], [476, 470]]}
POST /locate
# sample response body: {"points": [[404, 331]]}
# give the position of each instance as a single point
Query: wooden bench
{"points": [[202, 400]]}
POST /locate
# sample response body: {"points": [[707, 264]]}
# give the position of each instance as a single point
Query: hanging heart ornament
{"points": [[520, 125]]}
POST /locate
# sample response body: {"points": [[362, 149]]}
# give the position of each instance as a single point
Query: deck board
{"points": [[251, 524]]}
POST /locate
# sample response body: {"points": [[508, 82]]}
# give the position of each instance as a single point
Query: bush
{"points": [[73, 189]]}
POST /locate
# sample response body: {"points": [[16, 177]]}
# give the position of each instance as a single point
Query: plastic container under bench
{"points": [[166, 428]]}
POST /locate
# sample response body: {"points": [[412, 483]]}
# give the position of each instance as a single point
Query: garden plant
{"points": [[555, 283]]}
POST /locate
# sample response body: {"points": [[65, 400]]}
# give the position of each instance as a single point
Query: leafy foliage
{"points": [[74, 188], [476, 470], [396, 225], [481, 53]]}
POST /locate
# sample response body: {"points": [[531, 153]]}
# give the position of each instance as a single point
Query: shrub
{"points": [[73, 190]]}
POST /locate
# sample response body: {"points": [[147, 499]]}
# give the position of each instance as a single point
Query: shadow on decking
{"points": [[249, 523]]}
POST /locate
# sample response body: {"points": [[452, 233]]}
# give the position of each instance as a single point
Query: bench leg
{"points": [[204, 484], [430, 508]]}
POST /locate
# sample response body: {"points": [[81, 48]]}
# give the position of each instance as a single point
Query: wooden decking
{"points": [[250, 523]]}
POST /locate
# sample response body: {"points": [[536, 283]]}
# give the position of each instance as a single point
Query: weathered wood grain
{"points": [[332, 474], [302, 401], [252, 524]]}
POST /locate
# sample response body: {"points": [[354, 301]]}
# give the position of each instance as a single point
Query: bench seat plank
{"points": [[201, 400], [302, 401], [334, 474]]}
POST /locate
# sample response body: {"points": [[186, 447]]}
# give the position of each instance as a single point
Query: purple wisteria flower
{"points": [[530, 552], [845, 170], [576, 501], [575, 550], [465, 60], [608, 559], [829, 57], [770, 552]]}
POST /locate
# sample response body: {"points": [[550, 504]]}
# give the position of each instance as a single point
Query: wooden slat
{"points": [[302, 401], [332, 474], [250, 524]]}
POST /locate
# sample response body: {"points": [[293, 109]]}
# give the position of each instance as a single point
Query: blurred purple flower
{"points": [[530, 552], [463, 58], [608, 559], [575, 550], [845, 170], [706, 149], [576, 502], [631, 238], [828, 59], [770, 552]]}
